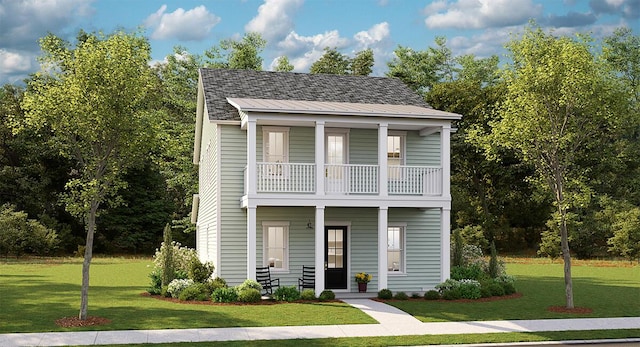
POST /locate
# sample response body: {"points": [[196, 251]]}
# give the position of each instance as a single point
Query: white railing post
{"points": [[382, 159], [319, 158]]}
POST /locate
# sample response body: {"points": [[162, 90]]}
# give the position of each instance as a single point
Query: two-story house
{"points": [[345, 173]]}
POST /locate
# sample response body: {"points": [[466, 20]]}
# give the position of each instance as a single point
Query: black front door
{"points": [[335, 257]]}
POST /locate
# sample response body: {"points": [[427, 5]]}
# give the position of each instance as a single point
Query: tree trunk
{"points": [[88, 254], [564, 242]]}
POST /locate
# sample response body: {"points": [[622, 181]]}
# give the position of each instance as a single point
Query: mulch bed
{"points": [[74, 322], [210, 302]]}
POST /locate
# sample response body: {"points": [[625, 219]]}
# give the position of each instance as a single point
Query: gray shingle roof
{"points": [[220, 84]]}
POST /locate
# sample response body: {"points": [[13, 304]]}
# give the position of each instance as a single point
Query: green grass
{"points": [[34, 294], [426, 339], [608, 291]]}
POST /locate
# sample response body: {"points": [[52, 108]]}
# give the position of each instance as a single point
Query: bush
{"points": [[385, 294], [493, 270], [549, 245], [401, 296], [308, 294], [452, 294], [509, 288], [485, 292], [156, 283], [286, 293], [473, 271], [224, 295], [415, 295], [177, 286], [495, 289], [327, 295], [195, 292], [249, 295], [469, 289], [432, 295], [249, 284], [19, 235], [200, 272]]}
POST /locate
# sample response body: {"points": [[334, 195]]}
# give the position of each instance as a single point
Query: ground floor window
{"points": [[395, 248], [276, 245]]}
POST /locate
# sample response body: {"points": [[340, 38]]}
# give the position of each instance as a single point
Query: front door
{"points": [[335, 257]]}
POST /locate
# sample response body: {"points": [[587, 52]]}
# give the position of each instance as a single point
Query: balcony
{"points": [[347, 179]]}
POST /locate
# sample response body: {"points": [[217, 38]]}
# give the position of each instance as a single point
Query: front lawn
{"points": [[34, 294], [610, 291]]}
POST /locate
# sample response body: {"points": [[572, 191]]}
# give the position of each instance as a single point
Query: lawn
{"points": [[610, 289], [34, 294]]}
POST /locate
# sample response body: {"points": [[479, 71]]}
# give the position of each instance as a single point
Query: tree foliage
{"points": [[94, 100], [336, 63], [283, 64], [20, 235]]}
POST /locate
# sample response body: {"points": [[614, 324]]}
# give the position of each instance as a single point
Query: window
{"points": [[276, 245], [395, 248], [395, 155], [275, 148]]}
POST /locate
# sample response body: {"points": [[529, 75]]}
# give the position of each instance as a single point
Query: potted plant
{"points": [[363, 278]]}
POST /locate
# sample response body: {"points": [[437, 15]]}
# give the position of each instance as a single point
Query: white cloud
{"points": [[190, 25], [475, 14], [275, 19], [14, 62], [377, 33]]}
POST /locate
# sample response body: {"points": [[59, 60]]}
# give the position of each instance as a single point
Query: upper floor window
{"points": [[395, 154], [275, 149]]}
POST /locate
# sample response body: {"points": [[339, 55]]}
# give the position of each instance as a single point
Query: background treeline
{"points": [[497, 194]]}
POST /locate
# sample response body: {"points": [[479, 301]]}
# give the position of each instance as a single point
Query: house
{"points": [[345, 173]]}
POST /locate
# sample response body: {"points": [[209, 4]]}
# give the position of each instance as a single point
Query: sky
{"points": [[301, 29]]}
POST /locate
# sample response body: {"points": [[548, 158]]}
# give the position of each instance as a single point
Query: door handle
{"points": [[326, 265]]}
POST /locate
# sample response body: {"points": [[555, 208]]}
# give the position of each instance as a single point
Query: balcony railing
{"points": [[347, 179]]}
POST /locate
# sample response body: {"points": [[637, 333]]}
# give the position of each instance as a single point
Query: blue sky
{"points": [[301, 29]]}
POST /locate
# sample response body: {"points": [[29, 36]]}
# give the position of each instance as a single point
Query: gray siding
{"points": [[423, 150], [208, 184], [301, 144], [363, 146]]}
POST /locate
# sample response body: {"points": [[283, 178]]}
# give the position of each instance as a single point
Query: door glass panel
{"points": [[335, 252], [335, 155]]}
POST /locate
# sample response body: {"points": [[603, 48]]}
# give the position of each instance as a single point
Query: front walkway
{"points": [[392, 322]]}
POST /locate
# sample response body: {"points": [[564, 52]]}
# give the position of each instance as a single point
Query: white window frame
{"points": [[266, 130], [265, 243], [403, 248], [403, 154]]}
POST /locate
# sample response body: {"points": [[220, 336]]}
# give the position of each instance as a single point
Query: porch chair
{"points": [[263, 276], [308, 279]]}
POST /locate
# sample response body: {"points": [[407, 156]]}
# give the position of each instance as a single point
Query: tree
{"points": [[556, 100], [362, 63], [283, 64], [232, 54], [93, 98], [19, 235], [331, 62]]}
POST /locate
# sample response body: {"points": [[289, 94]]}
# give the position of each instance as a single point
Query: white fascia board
{"points": [[200, 114]]}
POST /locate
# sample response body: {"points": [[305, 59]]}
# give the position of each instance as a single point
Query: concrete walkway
{"points": [[392, 322]]}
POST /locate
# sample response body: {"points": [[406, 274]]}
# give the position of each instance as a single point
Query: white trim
{"points": [[251, 243], [195, 205], [319, 249], [383, 222], [445, 244], [266, 130], [265, 237]]}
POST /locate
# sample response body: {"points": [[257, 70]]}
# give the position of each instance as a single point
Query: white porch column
{"points": [[251, 242], [319, 158], [445, 157], [383, 216], [382, 159], [445, 244], [252, 179], [319, 255]]}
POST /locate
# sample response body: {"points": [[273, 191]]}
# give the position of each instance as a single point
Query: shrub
{"points": [[447, 285], [327, 295], [415, 295], [549, 245], [177, 286], [401, 296], [195, 292], [200, 272], [249, 295], [469, 289], [495, 289], [286, 293], [432, 295], [473, 272], [19, 235], [156, 283], [308, 294], [509, 288], [485, 292], [452, 294], [493, 262], [385, 294], [249, 284], [224, 295]]}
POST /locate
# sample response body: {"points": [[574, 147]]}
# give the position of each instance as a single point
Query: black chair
{"points": [[263, 276], [308, 279]]}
